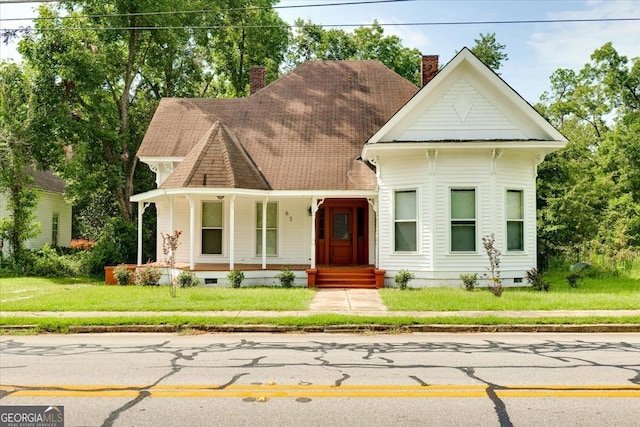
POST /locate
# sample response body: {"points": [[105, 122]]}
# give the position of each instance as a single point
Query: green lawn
{"points": [[611, 293], [42, 294]]}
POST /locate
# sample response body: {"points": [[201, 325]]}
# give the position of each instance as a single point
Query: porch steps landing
{"points": [[346, 277]]}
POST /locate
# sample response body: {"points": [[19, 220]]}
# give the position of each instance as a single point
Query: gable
{"points": [[466, 101], [217, 161]]}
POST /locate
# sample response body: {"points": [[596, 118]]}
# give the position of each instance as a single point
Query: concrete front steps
{"points": [[346, 277]]}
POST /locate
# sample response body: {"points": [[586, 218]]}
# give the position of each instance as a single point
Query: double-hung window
{"points": [[55, 228], [212, 228], [405, 221], [515, 221], [463, 220], [271, 226]]}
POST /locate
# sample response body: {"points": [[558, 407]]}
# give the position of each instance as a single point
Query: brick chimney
{"points": [[428, 68], [257, 78]]}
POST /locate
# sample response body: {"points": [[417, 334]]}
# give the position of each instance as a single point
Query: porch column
{"points": [[374, 206], [192, 232], [264, 233], [172, 222], [232, 232], [314, 209], [142, 206]]}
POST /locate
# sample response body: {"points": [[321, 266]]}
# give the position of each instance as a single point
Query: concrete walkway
{"points": [[332, 300]]}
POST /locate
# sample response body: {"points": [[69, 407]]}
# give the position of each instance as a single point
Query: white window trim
{"points": [[224, 228], [507, 220], [416, 220], [476, 220], [255, 229]]}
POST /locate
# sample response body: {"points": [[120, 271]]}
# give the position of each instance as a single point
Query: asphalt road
{"points": [[327, 379]]}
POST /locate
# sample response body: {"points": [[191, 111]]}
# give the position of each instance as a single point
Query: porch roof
{"points": [[161, 193]]}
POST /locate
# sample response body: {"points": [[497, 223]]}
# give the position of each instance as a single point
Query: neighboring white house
{"points": [[52, 213], [345, 163]]}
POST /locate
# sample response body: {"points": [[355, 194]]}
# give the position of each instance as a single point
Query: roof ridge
{"points": [[245, 156]]}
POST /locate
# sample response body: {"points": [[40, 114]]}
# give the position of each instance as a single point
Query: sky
{"points": [[444, 27]]}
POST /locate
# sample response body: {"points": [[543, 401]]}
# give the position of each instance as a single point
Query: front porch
{"points": [[323, 276]]}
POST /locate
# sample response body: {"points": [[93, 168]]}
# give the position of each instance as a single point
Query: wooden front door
{"points": [[341, 232], [341, 236]]}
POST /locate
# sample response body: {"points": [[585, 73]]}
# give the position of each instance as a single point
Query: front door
{"points": [[341, 236], [341, 232]]}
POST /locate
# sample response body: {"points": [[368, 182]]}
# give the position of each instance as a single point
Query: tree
{"points": [[589, 193], [16, 183], [489, 51], [101, 67], [312, 42]]}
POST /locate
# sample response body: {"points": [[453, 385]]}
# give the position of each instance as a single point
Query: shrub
{"points": [[187, 279], [287, 278], [572, 279], [122, 274], [117, 244], [469, 280], [236, 278], [148, 276], [82, 244], [48, 263], [534, 278], [402, 278]]}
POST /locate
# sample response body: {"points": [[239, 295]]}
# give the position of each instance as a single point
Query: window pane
{"points": [[405, 204], [212, 214], [463, 237], [515, 236], [341, 226], [405, 236], [463, 204], [211, 241], [514, 204], [272, 242], [272, 215]]}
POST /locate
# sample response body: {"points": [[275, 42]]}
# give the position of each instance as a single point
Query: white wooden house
{"points": [[346, 164], [52, 213]]}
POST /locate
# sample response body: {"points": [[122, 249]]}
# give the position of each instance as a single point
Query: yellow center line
{"points": [[322, 391]]}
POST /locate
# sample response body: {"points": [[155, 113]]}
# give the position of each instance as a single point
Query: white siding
{"points": [[48, 205], [434, 264], [294, 230], [408, 173]]}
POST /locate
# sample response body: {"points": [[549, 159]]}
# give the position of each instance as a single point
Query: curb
{"points": [[343, 329]]}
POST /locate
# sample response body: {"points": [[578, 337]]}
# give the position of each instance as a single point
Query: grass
{"points": [[599, 293], [298, 323], [42, 294]]}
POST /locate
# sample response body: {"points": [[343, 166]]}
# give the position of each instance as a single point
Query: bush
{"points": [[148, 276], [534, 278], [402, 278], [236, 278], [573, 279], [117, 244], [187, 279], [47, 263], [287, 278], [122, 274], [469, 281]]}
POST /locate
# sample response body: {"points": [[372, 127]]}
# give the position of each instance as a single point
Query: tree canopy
{"points": [[310, 41], [589, 193]]}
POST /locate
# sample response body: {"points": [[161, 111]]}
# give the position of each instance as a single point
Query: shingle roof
{"points": [[47, 181], [304, 131], [218, 160]]}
